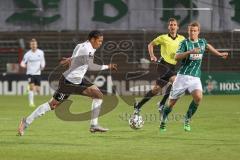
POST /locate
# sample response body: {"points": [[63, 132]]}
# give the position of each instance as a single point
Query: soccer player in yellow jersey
{"points": [[166, 64]]}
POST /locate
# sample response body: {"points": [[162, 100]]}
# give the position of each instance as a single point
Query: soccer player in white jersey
{"points": [[34, 62], [73, 81], [190, 52]]}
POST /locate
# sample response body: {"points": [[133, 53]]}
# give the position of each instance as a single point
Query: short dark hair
{"points": [[94, 34]]}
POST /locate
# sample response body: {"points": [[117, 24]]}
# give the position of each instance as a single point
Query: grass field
{"points": [[215, 133]]}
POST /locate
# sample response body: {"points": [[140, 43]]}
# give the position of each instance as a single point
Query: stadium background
{"points": [[128, 26]]}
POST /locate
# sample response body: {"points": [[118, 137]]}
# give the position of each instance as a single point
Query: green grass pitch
{"points": [[215, 132]]}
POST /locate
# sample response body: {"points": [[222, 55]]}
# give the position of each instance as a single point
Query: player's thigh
{"points": [[31, 86], [196, 89], [172, 79], [31, 83], [166, 74], [37, 80], [179, 87], [93, 92]]}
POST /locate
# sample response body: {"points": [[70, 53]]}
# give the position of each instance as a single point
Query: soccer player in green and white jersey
{"points": [[191, 51]]}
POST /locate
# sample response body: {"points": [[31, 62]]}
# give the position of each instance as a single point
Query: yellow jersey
{"points": [[169, 46]]}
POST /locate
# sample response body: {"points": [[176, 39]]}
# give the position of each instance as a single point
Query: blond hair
{"points": [[194, 24]]}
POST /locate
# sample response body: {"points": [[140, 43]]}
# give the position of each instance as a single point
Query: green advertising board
{"points": [[221, 82]]}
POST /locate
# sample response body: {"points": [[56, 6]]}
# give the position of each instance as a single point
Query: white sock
{"points": [[31, 97], [39, 111], [96, 106]]}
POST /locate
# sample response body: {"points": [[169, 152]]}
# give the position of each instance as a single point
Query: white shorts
{"points": [[183, 83]]}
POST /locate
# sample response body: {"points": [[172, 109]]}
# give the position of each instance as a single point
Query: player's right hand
{"points": [[113, 67], [153, 59], [65, 61], [195, 51]]}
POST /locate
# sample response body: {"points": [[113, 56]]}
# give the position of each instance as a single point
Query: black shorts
{"points": [[165, 71], [66, 88], [35, 79]]}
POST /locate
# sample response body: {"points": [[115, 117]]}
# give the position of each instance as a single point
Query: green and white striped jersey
{"points": [[192, 64]]}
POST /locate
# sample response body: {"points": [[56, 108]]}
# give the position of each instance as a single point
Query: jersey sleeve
{"points": [[182, 47], [205, 43], [75, 51], [25, 59], [158, 41]]}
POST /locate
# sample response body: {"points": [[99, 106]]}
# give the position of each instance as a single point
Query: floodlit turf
{"points": [[215, 132]]}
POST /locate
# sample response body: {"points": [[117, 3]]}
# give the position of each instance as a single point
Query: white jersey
{"points": [[35, 62], [81, 61]]}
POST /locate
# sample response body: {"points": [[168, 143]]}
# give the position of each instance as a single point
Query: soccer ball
{"points": [[136, 121]]}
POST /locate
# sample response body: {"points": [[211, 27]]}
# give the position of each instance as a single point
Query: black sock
{"points": [[146, 98], [166, 95]]}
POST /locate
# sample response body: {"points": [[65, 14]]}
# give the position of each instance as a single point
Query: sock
{"points": [[96, 106], [166, 111], [39, 111], [166, 95], [31, 97], [191, 110], [146, 98]]}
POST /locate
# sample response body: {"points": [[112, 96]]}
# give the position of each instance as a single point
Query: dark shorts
{"points": [[66, 88], [165, 71], [35, 79]]}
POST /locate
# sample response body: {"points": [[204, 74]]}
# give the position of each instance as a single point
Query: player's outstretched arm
{"points": [[96, 67], [211, 49]]}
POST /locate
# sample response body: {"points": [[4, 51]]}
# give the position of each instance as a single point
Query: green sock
{"points": [[166, 111], [191, 110]]}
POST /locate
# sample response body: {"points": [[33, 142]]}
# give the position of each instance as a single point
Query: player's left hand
{"points": [[65, 61], [224, 55], [113, 67]]}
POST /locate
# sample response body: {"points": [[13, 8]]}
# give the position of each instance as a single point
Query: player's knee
{"points": [[53, 104], [97, 94], [171, 103], [198, 99]]}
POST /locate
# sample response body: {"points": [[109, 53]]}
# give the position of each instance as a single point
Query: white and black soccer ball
{"points": [[136, 121]]}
